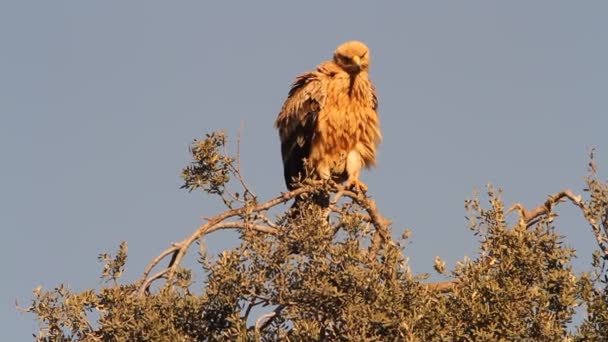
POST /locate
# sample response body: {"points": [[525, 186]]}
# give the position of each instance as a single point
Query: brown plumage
{"points": [[330, 120]]}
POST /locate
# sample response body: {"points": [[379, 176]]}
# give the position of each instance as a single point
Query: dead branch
{"points": [[531, 217], [528, 217]]}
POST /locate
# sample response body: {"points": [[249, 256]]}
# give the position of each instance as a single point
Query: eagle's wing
{"points": [[296, 123]]}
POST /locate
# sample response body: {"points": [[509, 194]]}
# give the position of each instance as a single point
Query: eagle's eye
{"points": [[345, 60]]}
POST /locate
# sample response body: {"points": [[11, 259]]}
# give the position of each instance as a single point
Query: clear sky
{"points": [[100, 99]]}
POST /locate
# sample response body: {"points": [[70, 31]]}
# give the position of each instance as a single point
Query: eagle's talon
{"points": [[357, 185]]}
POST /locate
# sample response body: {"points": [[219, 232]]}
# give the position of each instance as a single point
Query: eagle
{"points": [[329, 122]]}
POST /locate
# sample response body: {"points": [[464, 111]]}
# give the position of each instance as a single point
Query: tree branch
{"points": [[380, 222], [145, 287], [178, 250], [158, 259], [218, 222], [530, 217]]}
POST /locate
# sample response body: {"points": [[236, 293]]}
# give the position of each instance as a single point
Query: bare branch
{"points": [[145, 287], [528, 217], [531, 217], [174, 248]]}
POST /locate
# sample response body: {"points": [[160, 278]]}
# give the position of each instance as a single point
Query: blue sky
{"points": [[100, 99]]}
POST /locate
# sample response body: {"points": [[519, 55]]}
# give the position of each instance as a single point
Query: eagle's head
{"points": [[352, 56]]}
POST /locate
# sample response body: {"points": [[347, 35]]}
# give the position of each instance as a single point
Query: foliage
{"points": [[337, 273], [210, 169]]}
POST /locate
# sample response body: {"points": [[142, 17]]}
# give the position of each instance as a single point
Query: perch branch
{"points": [[177, 251], [379, 221]]}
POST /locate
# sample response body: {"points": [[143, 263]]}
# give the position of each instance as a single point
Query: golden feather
{"points": [[330, 119]]}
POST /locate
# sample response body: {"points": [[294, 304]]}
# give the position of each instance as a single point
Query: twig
{"points": [[237, 170], [232, 196], [267, 221]]}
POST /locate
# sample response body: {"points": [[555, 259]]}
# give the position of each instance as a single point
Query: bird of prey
{"points": [[329, 123]]}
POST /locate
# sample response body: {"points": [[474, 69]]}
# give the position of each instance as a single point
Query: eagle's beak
{"points": [[357, 61]]}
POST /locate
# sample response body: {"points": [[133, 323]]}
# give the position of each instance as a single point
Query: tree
{"points": [[337, 273]]}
